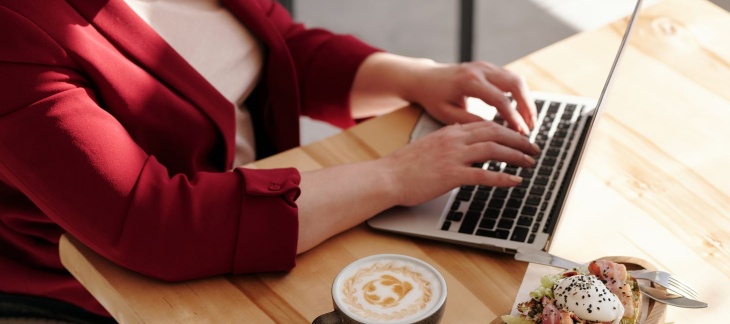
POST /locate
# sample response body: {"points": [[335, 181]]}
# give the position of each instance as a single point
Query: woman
{"points": [[124, 123]]}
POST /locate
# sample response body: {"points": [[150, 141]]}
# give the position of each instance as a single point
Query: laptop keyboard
{"points": [[519, 213]]}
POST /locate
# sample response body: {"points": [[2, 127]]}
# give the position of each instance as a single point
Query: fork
{"points": [[661, 278], [667, 281], [674, 300]]}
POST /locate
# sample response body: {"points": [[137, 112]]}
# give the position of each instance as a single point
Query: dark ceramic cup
{"points": [[387, 288]]}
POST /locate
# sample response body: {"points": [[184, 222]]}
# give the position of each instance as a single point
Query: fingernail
{"points": [[525, 130], [515, 179], [529, 159], [536, 148]]}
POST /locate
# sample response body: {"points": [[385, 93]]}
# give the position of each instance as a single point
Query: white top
{"points": [[218, 46]]}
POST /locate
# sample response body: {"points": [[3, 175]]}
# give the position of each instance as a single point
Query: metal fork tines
{"points": [[667, 281]]}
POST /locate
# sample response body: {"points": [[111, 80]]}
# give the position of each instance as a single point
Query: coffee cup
{"points": [[387, 288]]}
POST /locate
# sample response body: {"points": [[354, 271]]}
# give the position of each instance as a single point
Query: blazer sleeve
{"points": [[82, 168], [326, 65]]}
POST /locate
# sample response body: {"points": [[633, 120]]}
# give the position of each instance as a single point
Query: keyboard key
{"points": [[455, 216], [455, 205], [477, 206], [519, 234], [552, 152], [445, 226], [463, 195], [523, 184], [484, 189], [481, 195], [553, 108], [496, 203], [514, 203], [537, 190], [470, 222], [549, 161], [509, 213], [510, 169], [500, 234], [539, 105], [542, 180], [526, 173], [525, 221], [545, 171], [529, 210], [487, 223], [492, 213], [493, 166], [500, 193], [556, 143], [505, 223], [531, 239], [533, 200], [519, 192]]}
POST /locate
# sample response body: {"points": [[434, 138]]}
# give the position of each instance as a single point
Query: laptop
{"points": [[522, 217]]}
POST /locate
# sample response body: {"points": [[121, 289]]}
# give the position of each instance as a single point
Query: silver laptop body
{"points": [[508, 219]]}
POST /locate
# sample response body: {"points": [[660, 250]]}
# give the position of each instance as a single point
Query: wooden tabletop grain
{"points": [[655, 184]]}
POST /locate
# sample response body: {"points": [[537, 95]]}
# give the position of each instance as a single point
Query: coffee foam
{"points": [[389, 289]]}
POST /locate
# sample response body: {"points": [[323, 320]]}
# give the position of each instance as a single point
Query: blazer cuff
{"points": [[269, 221]]}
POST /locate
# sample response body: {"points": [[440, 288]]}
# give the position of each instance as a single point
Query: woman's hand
{"points": [[337, 198], [443, 160], [386, 81], [442, 90]]}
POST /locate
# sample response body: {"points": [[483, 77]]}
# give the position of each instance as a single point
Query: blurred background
{"points": [[501, 30]]}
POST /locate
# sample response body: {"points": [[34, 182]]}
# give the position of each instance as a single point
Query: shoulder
{"points": [[24, 26]]}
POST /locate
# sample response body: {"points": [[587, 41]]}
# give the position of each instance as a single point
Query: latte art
{"points": [[389, 290]]}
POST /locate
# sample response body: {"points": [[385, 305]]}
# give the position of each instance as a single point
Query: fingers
{"points": [[486, 141], [495, 97], [525, 104], [491, 151], [476, 176], [482, 132], [455, 115], [490, 85]]}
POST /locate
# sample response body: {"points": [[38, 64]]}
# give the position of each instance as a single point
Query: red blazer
{"points": [[106, 133]]}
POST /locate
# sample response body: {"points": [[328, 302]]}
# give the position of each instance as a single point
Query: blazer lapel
{"points": [[121, 25], [283, 115]]}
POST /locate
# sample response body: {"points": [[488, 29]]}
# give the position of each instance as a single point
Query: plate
{"points": [[652, 311]]}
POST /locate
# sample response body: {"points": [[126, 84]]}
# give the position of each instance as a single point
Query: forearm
{"points": [[383, 83], [338, 198]]}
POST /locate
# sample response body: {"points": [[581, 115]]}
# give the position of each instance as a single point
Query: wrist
{"points": [[387, 74], [389, 180], [414, 76]]}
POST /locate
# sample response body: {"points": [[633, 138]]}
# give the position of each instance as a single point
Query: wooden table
{"points": [[656, 185]]}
